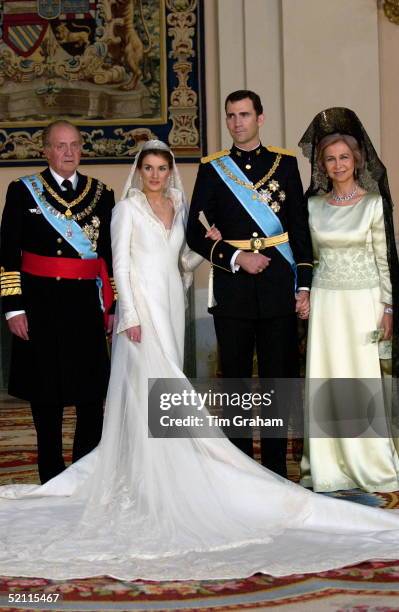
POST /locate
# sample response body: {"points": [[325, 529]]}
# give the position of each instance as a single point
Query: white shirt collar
{"points": [[59, 179]]}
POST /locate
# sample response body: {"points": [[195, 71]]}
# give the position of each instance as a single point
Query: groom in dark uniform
{"points": [[55, 260], [263, 265]]}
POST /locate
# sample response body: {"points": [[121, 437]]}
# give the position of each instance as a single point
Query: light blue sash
{"points": [[261, 213], [69, 229]]}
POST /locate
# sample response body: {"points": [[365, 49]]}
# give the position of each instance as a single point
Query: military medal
{"points": [[264, 195], [92, 231]]}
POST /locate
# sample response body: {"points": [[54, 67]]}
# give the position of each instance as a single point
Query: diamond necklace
{"points": [[344, 198]]}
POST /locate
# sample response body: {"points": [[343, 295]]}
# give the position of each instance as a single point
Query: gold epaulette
{"points": [[209, 158], [107, 187], [10, 283], [281, 151]]}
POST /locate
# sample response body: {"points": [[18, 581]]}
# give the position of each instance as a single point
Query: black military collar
{"points": [[235, 152], [246, 159]]}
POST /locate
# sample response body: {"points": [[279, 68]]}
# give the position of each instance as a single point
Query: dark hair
{"points": [[241, 94], [46, 134], [349, 140], [166, 155]]}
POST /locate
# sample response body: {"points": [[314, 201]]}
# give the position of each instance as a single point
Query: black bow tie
{"points": [[69, 191]]}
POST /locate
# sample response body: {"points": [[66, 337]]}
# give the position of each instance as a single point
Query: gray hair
{"points": [[46, 134]]}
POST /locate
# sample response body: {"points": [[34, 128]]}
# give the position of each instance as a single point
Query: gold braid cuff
{"points": [[10, 283]]}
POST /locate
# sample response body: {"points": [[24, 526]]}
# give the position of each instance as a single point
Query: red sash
{"points": [[68, 267]]}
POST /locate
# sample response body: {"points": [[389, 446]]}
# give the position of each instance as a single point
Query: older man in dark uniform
{"points": [[263, 265], [55, 259]]}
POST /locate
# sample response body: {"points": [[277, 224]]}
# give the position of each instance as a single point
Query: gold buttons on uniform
{"points": [[58, 278], [255, 234], [59, 240], [248, 166], [220, 255], [59, 252]]}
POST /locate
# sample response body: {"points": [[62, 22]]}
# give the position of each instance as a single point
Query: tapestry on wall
{"points": [[123, 71]]}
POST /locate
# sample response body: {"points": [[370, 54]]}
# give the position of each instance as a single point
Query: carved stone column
{"points": [[183, 108]]}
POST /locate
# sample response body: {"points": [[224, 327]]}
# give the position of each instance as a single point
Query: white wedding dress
{"points": [[160, 509]]}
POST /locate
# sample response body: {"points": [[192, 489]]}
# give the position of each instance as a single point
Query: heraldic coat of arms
{"points": [[82, 58]]}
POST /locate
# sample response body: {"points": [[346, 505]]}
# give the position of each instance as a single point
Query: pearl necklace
{"points": [[344, 198]]}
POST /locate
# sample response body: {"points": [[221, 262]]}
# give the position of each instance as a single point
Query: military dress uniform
{"points": [[254, 310], [65, 361]]}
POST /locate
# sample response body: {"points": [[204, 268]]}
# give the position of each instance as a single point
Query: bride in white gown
{"points": [[159, 509]]}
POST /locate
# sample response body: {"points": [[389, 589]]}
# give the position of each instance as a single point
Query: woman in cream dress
{"points": [[171, 509], [351, 443]]}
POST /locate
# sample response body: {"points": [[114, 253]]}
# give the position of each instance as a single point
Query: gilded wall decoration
{"points": [[123, 71], [391, 10]]}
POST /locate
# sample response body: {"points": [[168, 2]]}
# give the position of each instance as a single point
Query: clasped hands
{"points": [[387, 324], [254, 263], [302, 307]]}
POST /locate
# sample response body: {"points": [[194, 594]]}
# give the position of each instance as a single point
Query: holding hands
{"points": [[387, 322], [302, 304]]}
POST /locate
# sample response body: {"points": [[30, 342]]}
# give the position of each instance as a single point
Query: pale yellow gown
{"points": [[350, 286]]}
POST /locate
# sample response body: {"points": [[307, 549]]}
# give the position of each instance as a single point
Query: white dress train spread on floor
{"points": [[161, 509]]}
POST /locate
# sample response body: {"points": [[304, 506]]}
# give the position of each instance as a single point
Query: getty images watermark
{"points": [[216, 407], [274, 408], [208, 400]]}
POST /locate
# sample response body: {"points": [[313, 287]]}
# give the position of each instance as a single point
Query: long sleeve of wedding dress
{"points": [[189, 261], [122, 231]]}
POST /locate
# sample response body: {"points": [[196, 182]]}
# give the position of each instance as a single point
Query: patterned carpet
{"points": [[368, 587]]}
